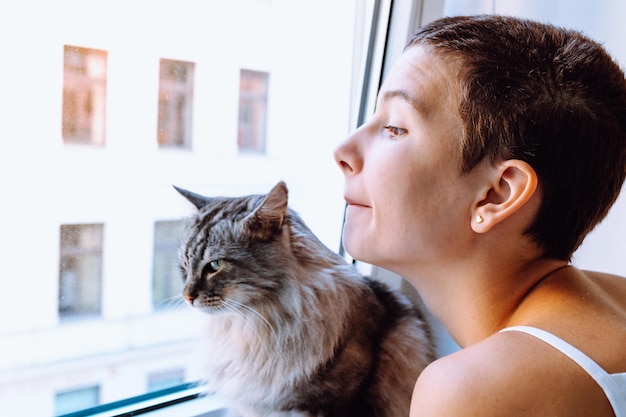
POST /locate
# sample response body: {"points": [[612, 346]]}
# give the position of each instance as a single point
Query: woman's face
{"points": [[407, 200]]}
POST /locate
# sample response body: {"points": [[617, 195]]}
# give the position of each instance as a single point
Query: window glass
{"points": [[166, 274], [84, 95], [78, 399], [92, 308], [175, 103], [165, 379], [80, 274], [253, 90]]}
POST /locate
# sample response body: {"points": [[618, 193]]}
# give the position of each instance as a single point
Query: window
{"points": [[253, 87], [166, 275], [175, 103], [80, 276], [84, 95], [102, 262], [165, 379], [78, 399]]}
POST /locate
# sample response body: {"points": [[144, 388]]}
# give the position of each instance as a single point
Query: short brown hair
{"points": [[548, 96]]}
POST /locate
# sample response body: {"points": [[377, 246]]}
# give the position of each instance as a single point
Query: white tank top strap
{"points": [[613, 385]]}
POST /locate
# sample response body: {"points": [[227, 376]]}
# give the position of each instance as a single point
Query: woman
{"points": [[497, 144]]}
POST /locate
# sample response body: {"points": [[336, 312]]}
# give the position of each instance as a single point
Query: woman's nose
{"points": [[347, 155]]}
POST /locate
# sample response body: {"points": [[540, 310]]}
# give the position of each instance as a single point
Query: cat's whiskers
{"points": [[247, 322], [253, 311], [170, 303], [241, 309]]}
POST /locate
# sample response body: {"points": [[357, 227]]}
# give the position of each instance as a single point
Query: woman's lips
{"points": [[352, 202]]}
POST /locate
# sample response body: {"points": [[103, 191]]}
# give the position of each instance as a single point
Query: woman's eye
{"points": [[396, 131], [216, 265]]}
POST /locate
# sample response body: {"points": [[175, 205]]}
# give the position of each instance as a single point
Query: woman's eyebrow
{"points": [[408, 98]]}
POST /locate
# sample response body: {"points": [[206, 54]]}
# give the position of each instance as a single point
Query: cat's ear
{"points": [[267, 220], [196, 199]]}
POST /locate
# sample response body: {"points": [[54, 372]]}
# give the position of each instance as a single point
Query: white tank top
{"points": [[613, 385]]}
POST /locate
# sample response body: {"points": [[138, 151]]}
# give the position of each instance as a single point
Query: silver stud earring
{"points": [[479, 218]]}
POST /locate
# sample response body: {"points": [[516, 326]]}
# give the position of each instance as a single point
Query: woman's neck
{"points": [[475, 300]]}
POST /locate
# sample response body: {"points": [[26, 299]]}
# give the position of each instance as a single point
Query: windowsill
{"points": [[197, 407], [184, 402]]}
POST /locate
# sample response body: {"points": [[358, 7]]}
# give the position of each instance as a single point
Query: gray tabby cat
{"points": [[292, 328]]}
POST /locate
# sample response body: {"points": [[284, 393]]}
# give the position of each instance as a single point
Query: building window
{"points": [[80, 276], [253, 88], [175, 103], [167, 284], [165, 379], [84, 95], [79, 399]]}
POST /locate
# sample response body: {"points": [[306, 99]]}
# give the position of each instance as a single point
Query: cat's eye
{"points": [[216, 265]]}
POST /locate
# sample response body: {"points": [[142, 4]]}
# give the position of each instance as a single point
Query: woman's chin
{"points": [[357, 249]]}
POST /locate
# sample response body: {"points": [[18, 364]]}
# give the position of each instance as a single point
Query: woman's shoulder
{"points": [[506, 374], [586, 309], [609, 284]]}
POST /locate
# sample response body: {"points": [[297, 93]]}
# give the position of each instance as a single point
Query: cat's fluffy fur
{"points": [[292, 328]]}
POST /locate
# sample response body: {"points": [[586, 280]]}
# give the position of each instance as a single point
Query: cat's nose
{"points": [[189, 298]]}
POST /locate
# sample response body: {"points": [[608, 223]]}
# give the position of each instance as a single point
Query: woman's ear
{"points": [[513, 183]]}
